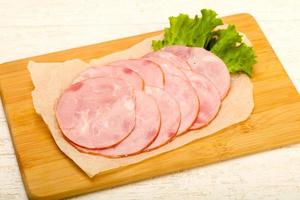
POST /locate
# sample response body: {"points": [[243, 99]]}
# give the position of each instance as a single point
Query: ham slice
{"points": [[177, 61], [96, 113], [205, 63], [164, 61], [209, 98], [148, 71], [126, 74], [183, 92], [170, 116], [178, 85], [207, 93], [145, 131]]}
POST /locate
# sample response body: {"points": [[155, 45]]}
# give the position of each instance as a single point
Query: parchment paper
{"points": [[50, 79]]}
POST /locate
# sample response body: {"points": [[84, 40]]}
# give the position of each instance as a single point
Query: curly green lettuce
{"points": [[200, 32], [190, 32], [228, 45]]}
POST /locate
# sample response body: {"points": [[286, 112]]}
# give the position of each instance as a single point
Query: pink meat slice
{"points": [[96, 113], [145, 131], [150, 72], [183, 92], [209, 99], [126, 74], [165, 62], [205, 63], [177, 61], [208, 96], [170, 116]]}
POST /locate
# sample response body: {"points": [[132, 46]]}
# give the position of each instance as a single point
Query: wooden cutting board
{"points": [[49, 174]]}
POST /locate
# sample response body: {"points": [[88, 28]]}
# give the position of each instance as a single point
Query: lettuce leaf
{"points": [[239, 59], [200, 32], [237, 56], [225, 39], [190, 32]]}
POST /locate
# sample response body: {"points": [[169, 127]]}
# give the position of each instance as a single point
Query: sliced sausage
{"points": [[209, 99], [163, 60], [208, 96], [145, 131], [179, 62], [96, 113], [126, 74], [183, 92], [205, 63], [170, 116], [150, 72]]}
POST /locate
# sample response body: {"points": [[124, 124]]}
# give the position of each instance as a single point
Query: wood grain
{"points": [[47, 173]]}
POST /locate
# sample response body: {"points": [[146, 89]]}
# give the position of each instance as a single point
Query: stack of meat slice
{"points": [[132, 106]]}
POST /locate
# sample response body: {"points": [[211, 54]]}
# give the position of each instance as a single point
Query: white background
{"points": [[33, 27]]}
